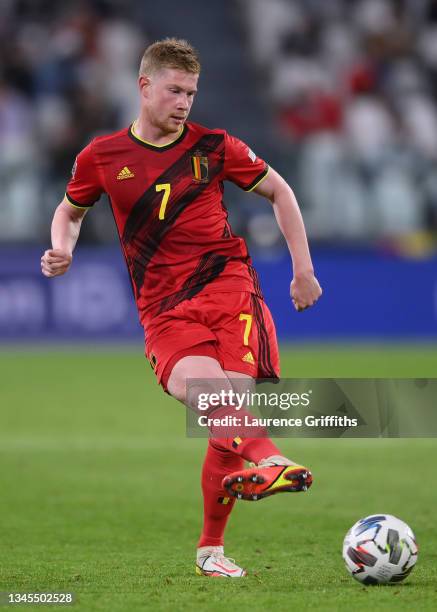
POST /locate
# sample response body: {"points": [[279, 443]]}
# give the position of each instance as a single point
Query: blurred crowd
{"points": [[350, 86], [68, 72], [353, 85]]}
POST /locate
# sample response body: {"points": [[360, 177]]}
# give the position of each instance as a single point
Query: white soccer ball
{"points": [[380, 549]]}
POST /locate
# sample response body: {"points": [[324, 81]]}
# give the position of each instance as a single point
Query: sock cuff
{"points": [[209, 541]]}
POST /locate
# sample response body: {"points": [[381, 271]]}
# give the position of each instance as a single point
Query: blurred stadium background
{"points": [[339, 96]]}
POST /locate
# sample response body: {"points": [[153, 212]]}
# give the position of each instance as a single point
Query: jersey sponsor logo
{"points": [[199, 166], [74, 168], [251, 155], [125, 173], [248, 358]]}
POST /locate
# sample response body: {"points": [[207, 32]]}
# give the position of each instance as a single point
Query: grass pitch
{"points": [[100, 495]]}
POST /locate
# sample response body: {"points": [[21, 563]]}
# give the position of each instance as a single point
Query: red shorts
{"points": [[234, 328]]}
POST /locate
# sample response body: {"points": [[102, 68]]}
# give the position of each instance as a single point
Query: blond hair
{"points": [[170, 53]]}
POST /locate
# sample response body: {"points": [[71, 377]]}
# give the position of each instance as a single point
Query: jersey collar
{"points": [[154, 147]]}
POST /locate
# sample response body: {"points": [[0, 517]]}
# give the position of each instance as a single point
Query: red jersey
{"points": [[168, 205]]}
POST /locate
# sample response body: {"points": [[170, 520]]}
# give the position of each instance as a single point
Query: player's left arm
{"points": [[305, 289]]}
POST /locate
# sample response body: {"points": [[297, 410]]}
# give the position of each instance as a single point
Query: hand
{"points": [[55, 262], [305, 291]]}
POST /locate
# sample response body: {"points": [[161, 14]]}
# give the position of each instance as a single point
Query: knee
{"points": [[177, 386]]}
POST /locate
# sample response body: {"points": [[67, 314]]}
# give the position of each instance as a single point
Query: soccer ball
{"points": [[380, 549]]}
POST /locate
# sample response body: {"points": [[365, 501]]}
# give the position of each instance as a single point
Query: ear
{"points": [[144, 85]]}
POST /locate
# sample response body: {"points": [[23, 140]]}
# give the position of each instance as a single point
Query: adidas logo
{"points": [[125, 173], [248, 358]]}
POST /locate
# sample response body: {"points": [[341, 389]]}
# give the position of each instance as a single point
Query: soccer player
{"points": [[198, 296]]}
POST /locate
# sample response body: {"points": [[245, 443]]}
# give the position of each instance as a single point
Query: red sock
{"points": [[251, 443], [217, 506]]}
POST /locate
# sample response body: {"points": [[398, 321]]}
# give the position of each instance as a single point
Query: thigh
{"points": [[172, 336], [246, 336]]}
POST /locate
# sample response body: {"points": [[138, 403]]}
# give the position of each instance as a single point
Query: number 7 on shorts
{"points": [[248, 319]]}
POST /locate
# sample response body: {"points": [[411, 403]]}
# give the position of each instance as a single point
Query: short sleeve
{"points": [[84, 188], [242, 166]]}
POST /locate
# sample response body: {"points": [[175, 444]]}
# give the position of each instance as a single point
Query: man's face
{"points": [[167, 96]]}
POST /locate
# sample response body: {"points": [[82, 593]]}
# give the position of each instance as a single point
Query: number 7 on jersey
{"points": [[165, 187]]}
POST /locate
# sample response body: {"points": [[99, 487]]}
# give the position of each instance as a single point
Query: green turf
{"points": [[99, 492]]}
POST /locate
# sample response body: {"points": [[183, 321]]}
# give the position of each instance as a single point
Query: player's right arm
{"points": [[83, 190], [65, 232]]}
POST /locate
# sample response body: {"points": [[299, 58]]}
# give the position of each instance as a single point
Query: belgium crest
{"points": [[199, 166]]}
